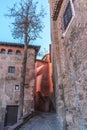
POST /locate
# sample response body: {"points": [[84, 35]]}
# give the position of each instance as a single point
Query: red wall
{"points": [[43, 82]]}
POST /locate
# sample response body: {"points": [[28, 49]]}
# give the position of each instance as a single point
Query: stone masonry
{"points": [[69, 61], [9, 94]]}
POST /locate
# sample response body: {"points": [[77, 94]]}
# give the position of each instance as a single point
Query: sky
{"points": [[5, 22]]}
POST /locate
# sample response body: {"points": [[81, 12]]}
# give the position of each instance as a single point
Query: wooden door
{"points": [[11, 115]]}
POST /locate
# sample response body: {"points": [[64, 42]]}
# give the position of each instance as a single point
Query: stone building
{"points": [[44, 86], [69, 61], [11, 55]]}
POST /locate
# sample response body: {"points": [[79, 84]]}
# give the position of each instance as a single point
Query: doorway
{"points": [[11, 115]]}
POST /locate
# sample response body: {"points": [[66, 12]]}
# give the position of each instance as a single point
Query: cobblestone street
{"points": [[43, 121]]}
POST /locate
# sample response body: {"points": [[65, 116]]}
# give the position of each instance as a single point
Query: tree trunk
{"points": [[22, 83]]}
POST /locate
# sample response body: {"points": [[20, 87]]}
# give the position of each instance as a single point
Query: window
{"points": [[10, 52], [3, 51], [11, 69], [18, 52], [16, 87], [68, 15]]}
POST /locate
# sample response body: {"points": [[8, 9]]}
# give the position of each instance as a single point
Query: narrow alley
{"points": [[44, 89], [43, 121]]}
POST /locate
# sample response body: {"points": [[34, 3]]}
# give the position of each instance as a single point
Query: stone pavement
{"points": [[43, 121]]}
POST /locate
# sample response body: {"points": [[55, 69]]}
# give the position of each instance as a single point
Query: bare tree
{"points": [[27, 26]]}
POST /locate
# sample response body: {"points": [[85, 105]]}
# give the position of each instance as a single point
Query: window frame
{"points": [[2, 51], [18, 52], [73, 15], [11, 69], [17, 87], [10, 51]]}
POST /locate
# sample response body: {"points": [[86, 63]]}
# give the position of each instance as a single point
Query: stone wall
{"points": [[8, 94], [69, 56], [30, 82]]}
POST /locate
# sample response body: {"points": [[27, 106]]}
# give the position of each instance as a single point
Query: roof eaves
{"points": [[21, 45], [57, 9]]}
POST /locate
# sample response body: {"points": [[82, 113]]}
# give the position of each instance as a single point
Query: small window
{"points": [[18, 52], [10, 52], [16, 87], [11, 69], [67, 15], [3, 51]]}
